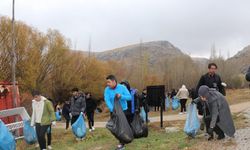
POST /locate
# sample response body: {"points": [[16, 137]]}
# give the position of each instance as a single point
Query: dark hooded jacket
{"points": [[219, 110], [248, 74]]}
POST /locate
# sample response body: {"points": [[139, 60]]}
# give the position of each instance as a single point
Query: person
{"points": [[173, 93], [248, 75], [66, 112], [183, 96], [42, 116], [211, 79], [78, 104], [143, 103], [49, 130], [90, 110], [220, 119], [132, 104], [115, 90]]}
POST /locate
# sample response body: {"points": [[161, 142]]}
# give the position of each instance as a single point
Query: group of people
{"points": [[43, 113], [209, 97]]}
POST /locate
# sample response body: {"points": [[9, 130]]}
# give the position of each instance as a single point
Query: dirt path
{"points": [[236, 108]]}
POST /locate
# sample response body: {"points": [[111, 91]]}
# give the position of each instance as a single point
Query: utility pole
{"points": [[13, 55]]}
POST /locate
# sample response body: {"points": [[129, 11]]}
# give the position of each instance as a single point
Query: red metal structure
{"points": [[6, 100]]}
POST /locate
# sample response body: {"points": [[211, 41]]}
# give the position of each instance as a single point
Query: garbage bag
{"points": [[58, 116], [175, 103], [79, 127], [29, 133], [7, 141], [139, 127], [192, 124], [167, 102], [119, 126], [143, 114]]}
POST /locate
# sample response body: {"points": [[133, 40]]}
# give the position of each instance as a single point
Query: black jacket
{"points": [[212, 82], [66, 111], [248, 74], [90, 105]]}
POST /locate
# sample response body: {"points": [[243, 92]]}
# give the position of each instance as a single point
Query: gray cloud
{"points": [[191, 25]]}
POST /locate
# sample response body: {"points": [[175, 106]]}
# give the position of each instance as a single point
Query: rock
{"points": [[171, 129]]}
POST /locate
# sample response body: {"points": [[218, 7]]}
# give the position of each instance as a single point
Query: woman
{"points": [[183, 96], [90, 110]]}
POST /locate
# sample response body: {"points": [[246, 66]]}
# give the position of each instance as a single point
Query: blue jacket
{"points": [[109, 96]]}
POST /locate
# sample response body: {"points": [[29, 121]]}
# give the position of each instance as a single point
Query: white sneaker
{"points": [[180, 113], [49, 147], [93, 128], [90, 130]]}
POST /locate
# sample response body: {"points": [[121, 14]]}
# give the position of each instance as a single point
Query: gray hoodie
{"points": [[78, 105]]}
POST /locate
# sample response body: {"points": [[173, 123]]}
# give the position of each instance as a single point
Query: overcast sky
{"points": [[191, 25]]}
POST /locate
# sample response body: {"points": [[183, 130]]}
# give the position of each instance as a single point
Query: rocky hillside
{"points": [[242, 59], [153, 51]]}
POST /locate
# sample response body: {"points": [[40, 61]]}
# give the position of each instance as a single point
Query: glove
{"points": [[210, 131], [53, 123]]}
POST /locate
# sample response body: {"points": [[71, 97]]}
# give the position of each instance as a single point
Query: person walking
{"points": [[43, 116], [90, 110], [115, 90], [183, 95], [66, 113]]}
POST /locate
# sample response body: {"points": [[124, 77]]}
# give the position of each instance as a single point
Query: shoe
{"points": [[202, 127], [185, 112], [93, 128], [221, 137], [49, 147], [180, 113], [78, 139], [37, 145], [120, 147], [90, 130]]}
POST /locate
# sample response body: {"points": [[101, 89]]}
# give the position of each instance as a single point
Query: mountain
{"points": [[153, 51], [242, 59]]}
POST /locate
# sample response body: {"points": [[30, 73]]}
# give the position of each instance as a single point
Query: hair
{"points": [[111, 77], [212, 64], [35, 93], [126, 83], [75, 89]]}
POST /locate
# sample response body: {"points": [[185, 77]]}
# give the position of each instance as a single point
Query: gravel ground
{"points": [[242, 136]]}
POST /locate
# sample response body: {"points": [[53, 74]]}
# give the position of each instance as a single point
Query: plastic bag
{"points": [[58, 116], [175, 103], [139, 127], [143, 114], [167, 102], [7, 141], [119, 126], [29, 133], [192, 124], [79, 127]]}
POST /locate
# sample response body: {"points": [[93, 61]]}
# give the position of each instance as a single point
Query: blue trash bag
{"points": [[167, 102], [7, 141], [175, 103], [79, 127], [143, 114], [29, 133], [49, 129], [58, 116], [192, 124]]}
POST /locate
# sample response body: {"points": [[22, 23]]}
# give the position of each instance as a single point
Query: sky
{"points": [[191, 25]]}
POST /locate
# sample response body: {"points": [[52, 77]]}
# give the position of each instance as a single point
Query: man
{"points": [[78, 104], [65, 113], [90, 110], [43, 116], [211, 79], [132, 105], [248, 74], [143, 102], [115, 90], [220, 120]]}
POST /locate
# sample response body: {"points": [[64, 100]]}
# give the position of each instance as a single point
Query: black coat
{"points": [[90, 105], [66, 111]]}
